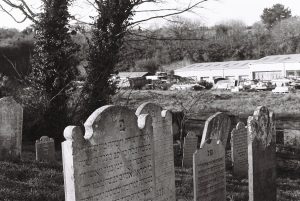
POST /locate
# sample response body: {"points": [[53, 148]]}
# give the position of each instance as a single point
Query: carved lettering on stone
{"points": [[189, 148], [45, 149], [163, 151], [239, 150], [209, 172], [113, 160], [262, 155]]}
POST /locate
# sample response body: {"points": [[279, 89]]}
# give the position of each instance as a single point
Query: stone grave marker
{"points": [[239, 150], [209, 172], [216, 127], [262, 155], [163, 150], [113, 161], [11, 122], [45, 149], [189, 148]]}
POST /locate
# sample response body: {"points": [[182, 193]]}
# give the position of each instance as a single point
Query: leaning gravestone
{"points": [[216, 127], [113, 161], [262, 155], [11, 122], [45, 149], [189, 148], [163, 151], [209, 172], [239, 150]]}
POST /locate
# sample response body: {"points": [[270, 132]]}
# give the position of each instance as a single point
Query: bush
{"points": [[206, 84], [149, 65]]}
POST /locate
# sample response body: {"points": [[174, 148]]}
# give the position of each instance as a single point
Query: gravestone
{"points": [[209, 172], [239, 150], [163, 151], [216, 127], [113, 161], [45, 149], [11, 122], [262, 155], [189, 148]]}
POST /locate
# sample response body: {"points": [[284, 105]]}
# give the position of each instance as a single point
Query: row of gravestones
{"points": [[253, 155], [128, 156]]}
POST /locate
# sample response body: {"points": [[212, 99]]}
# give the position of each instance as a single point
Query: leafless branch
{"points": [[190, 7]]}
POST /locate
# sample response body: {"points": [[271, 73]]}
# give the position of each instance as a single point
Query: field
{"points": [[242, 103], [35, 181]]}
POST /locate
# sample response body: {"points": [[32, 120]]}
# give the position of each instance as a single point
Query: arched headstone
{"points": [[262, 155], [113, 160], [216, 127], [163, 150]]}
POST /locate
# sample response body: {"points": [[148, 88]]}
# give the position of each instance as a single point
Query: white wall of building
{"points": [[210, 75]]}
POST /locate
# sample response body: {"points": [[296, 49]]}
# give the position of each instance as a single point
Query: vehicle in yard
{"points": [[186, 87], [296, 84]]}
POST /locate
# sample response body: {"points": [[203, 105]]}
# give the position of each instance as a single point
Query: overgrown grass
{"points": [[210, 100], [28, 180]]}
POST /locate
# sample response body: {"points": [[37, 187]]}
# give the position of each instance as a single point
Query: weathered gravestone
{"points": [[189, 148], [239, 150], [209, 172], [45, 149], [114, 159], [11, 122], [216, 127], [262, 155], [163, 151]]}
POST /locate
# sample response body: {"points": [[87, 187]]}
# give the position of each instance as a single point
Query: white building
{"points": [[276, 66], [238, 70], [267, 68]]}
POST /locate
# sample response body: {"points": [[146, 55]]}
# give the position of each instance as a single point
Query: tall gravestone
{"points": [[189, 148], [239, 150], [262, 155], [11, 122], [113, 161], [45, 149], [209, 172], [216, 127], [163, 151]]}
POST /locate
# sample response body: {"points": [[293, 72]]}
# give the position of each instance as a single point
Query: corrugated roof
{"points": [[132, 74], [217, 65], [289, 58]]}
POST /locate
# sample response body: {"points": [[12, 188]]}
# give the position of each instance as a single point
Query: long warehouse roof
{"points": [[289, 58], [217, 65]]}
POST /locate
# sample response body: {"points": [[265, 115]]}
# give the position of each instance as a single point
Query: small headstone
{"points": [[113, 161], [262, 155], [209, 172], [291, 137], [239, 150], [45, 149], [216, 127], [11, 122], [163, 151], [189, 148]]}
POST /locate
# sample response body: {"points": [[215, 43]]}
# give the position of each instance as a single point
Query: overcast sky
{"points": [[213, 11]]}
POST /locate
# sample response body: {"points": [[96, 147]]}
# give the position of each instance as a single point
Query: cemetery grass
{"points": [[242, 103], [27, 180]]}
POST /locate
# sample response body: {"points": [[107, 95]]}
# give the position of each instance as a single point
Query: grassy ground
{"points": [[34, 181], [211, 101]]}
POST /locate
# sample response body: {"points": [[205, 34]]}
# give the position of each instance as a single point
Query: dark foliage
{"points": [[53, 67], [105, 44]]}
